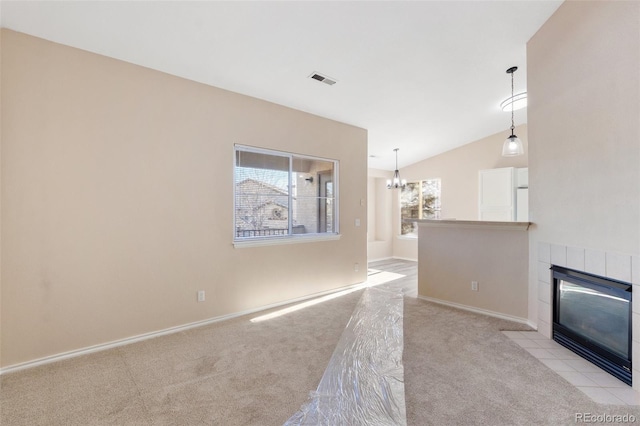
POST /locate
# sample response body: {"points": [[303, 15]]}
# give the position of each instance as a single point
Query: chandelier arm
{"points": [[396, 182]]}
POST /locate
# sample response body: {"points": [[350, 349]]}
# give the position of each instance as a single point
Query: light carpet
{"points": [[459, 370]]}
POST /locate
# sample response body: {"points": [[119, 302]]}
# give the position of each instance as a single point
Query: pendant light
{"points": [[513, 145], [396, 183]]}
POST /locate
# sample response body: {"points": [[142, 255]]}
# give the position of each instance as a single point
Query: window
{"points": [[278, 194], [419, 200]]}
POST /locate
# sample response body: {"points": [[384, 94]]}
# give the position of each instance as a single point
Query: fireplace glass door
{"points": [[592, 317], [596, 314]]}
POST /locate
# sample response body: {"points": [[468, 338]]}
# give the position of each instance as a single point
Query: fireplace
{"points": [[592, 317]]}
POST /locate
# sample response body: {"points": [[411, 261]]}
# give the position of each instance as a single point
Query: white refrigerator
{"points": [[522, 205]]}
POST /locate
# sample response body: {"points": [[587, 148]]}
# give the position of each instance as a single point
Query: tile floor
{"points": [[599, 385]]}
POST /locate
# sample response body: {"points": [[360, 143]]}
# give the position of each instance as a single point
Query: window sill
{"points": [[407, 237], [291, 239]]}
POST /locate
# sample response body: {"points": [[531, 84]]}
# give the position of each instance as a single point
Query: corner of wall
{"points": [[380, 244], [113, 165], [1, 31], [573, 159]]}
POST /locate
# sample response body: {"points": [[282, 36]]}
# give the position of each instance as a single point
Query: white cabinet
{"points": [[503, 194], [497, 192]]}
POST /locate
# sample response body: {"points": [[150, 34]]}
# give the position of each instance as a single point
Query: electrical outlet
{"points": [[356, 267], [474, 285], [200, 295]]}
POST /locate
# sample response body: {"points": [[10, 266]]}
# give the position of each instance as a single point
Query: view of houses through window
{"points": [[418, 200], [279, 194]]}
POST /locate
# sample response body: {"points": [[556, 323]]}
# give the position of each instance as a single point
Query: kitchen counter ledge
{"points": [[475, 224]]}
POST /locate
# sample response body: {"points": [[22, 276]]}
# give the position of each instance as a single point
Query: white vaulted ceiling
{"points": [[424, 77]]}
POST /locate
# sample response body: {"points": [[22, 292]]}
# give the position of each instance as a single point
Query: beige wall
{"points": [[380, 237], [458, 171], [454, 255], [117, 201], [0, 196], [584, 128]]}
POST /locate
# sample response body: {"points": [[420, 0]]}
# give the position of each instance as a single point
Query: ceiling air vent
{"points": [[323, 78]]}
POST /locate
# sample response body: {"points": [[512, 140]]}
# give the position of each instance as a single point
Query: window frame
{"points": [[412, 236], [289, 238]]}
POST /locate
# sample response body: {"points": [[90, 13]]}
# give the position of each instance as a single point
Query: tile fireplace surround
{"points": [[606, 264]]}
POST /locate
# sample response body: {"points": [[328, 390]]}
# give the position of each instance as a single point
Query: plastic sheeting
{"points": [[364, 381]]}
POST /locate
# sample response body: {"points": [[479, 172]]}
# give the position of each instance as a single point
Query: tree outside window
{"points": [[419, 200]]}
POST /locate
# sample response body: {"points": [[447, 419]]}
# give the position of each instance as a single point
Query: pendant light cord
{"points": [[512, 121]]}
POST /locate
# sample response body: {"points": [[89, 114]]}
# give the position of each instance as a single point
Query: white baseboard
{"points": [[379, 260], [405, 258], [391, 258], [478, 310], [129, 340]]}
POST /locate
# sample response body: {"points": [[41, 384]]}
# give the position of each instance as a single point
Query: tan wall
{"points": [[380, 237], [451, 257], [117, 201], [372, 213], [458, 171], [584, 128], [0, 196]]}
